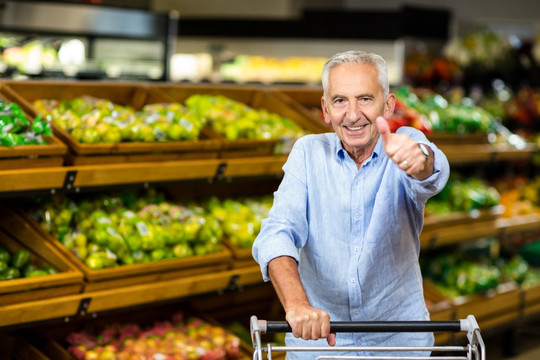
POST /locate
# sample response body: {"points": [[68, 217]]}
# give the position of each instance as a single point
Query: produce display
{"points": [[519, 195], [443, 115], [120, 230], [91, 120], [114, 230], [235, 120], [17, 129], [240, 218], [19, 264], [462, 195], [180, 338]]}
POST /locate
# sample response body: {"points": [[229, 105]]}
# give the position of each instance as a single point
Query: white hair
{"points": [[359, 57]]}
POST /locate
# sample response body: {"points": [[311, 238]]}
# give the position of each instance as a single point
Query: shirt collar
{"points": [[341, 153]]}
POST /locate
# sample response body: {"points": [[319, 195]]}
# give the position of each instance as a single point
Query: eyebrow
{"points": [[337, 96]]}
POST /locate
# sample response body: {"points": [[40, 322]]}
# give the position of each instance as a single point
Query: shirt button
{"points": [[353, 280], [356, 248], [357, 216], [357, 182], [355, 312]]}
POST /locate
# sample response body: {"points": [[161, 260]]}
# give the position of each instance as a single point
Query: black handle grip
{"points": [[375, 326]]}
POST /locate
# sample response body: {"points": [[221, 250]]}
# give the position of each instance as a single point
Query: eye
{"points": [[339, 102]]}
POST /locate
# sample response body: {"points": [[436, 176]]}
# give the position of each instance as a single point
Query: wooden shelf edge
{"points": [[32, 179], [470, 153]]}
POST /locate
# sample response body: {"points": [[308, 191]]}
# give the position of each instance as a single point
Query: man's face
{"points": [[354, 100]]}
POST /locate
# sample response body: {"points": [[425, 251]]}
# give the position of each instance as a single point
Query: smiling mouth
{"points": [[356, 128]]}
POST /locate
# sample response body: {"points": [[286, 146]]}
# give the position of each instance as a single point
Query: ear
{"points": [[325, 111], [389, 106]]}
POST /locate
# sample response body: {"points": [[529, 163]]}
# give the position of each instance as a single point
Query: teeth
{"points": [[355, 127]]}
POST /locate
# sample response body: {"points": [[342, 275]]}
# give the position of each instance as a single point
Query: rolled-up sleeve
{"points": [[286, 228], [421, 190]]}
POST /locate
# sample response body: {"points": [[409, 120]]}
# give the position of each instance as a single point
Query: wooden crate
{"points": [[240, 257], [52, 341], [68, 280], [304, 99], [126, 94], [255, 97], [531, 301], [30, 156], [498, 307], [22, 226], [432, 222]]}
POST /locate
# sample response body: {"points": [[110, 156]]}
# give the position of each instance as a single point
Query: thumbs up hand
{"points": [[405, 152]]}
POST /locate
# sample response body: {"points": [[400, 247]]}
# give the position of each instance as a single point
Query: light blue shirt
{"points": [[355, 235]]}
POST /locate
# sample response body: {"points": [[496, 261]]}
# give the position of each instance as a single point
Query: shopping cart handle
{"points": [[370, 326]]}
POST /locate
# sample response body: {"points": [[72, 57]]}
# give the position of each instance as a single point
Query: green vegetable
{"points": [[11, 273], [20, 258], [36, 272]]}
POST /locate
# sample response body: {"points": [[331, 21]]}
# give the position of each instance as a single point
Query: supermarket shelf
{"points": [[446, 235], [72, 306], [519, 223], [73, 177], [472, 153]]}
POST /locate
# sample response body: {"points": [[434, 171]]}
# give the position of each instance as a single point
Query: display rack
{"points": [[42, 20]]}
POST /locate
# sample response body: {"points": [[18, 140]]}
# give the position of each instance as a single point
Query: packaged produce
{"points": [[92, 120], [240, 218], [113, 230], [17, 129], [235, 120]]}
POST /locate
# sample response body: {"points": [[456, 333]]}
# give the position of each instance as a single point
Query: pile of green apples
{"points": [[92, 120], [240, 218], [130, 228], [119, 230], [236, 120]]}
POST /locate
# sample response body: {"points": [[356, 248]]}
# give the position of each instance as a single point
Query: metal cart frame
{"points": [[475, 349]]}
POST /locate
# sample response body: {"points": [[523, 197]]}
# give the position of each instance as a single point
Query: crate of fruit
{"points": [[155, 334], [119, 240], [32, 269], [240, 218], [250, 120], [474, 285], [26, 141], [116, 122]]}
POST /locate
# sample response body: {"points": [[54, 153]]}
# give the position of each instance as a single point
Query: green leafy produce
{"points": [[17, 129], [444, 116], [457, 275], [463, 195]]}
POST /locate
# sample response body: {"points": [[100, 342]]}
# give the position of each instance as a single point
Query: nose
{"points": [[352, 111]]}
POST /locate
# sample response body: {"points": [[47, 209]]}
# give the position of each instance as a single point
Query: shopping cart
{"points": [[475, 349]]}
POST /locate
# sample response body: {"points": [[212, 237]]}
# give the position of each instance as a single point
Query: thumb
{"points": [[384, 129], [331, 339]]}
